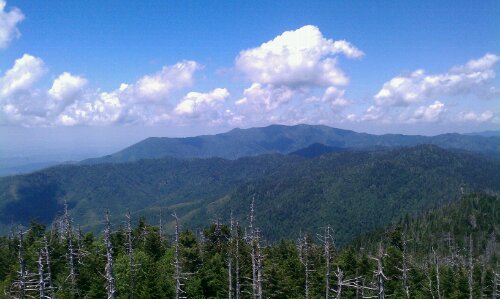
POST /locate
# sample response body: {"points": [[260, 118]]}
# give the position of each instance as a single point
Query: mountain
{"points": [[316, 150], [451, 225], [355, 191], [486, 133], [285, 139]]}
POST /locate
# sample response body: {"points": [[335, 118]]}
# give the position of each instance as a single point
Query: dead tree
{"points": [[427, 270], [67, 235], [179, 293], [41, 276], [404, 267], [162, 239], [470, 268], [379, 273], [26, 286], [259, 263], [304, 248], [495, 291], [130, 253], [23, 275], [110, 280], [237, 261], [327, 240], [436, 266], [252, 240], [46, 254], [345, 283], [230, 259]]}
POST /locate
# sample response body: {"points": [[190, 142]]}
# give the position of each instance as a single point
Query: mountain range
{"points": [[355, 190], [285, 139]]}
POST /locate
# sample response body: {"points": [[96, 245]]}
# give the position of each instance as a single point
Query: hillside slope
{"points": [[285, 139], [355, 191]]}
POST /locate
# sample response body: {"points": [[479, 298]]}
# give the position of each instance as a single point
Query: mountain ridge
{"points": [[283, 139], [366, 188]]}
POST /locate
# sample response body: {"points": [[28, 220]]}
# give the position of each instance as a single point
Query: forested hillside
{"points": [[451, 252], [285, 139], [355, 191]]}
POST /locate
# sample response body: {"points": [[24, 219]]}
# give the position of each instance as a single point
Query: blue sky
{"points": [[119, 71]]}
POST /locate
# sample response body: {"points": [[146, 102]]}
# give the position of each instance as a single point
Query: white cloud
{"points": [[66, 86], [70, 102], [459, 80], [297, 58], [160, 84], [431, 113], [335, 97], [105, 109], [21, 77], [195, 104], [476, 116], [264, 97], [8, 24], [292, 66]]}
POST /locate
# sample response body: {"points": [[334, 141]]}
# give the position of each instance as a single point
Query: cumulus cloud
{"points": [[430, 113], [295, 58], [476, 116], [69, 101], [158, 85], [418, 86], [145, 101], [196, 104], [265, 98], [21, 77], [8, 24], [293, 67]]}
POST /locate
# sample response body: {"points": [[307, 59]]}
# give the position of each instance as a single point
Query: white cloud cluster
{"points": [[430, 113], [291, 65], [476, 116], [70, 102], [196, 104], [261, 98], [156, 86], [418, 86], [8, 24], [21, 77]]}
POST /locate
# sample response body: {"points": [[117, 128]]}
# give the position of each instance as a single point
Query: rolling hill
{"points": [[355, 191]]}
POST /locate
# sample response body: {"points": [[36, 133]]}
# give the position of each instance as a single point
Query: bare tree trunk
{"points": [[110, 280], [259, 264], [495, 292], [237, 258], [230, 259], [41, 276], [438, 281], [130, 252], [327, 242], [161, 226], [22, 267], [471, 267], [70, 255], [177, 264], [304, 259], [255, 288], [404, 270], [47, 263], [379, 273]]}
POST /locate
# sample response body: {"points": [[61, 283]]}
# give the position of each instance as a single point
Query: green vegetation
{"points": [[355, 191], [461, 266], [286, 139]]}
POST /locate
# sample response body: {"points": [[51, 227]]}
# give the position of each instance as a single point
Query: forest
{"points": [[448, 252]]}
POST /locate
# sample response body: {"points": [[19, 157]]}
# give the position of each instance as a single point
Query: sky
{"points": [[90, 77]]}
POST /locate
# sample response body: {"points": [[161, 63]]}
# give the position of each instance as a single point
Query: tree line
{"points": [[229, 259]]}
